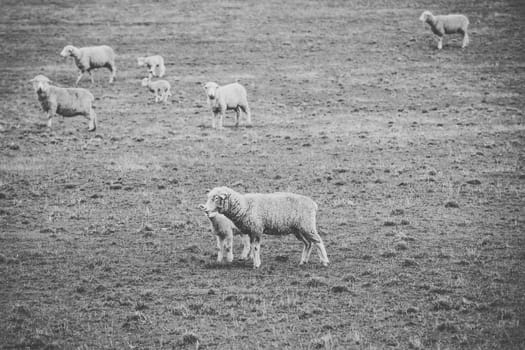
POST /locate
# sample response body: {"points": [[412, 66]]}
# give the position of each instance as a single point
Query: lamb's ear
{"points": [[201, 206]]}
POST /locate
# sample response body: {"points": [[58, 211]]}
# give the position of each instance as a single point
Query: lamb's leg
{"points": [[91, 76], [92, 120], [305, 247], [246, 109], [465, 40], [246, 247], [213, 123], [228, 245], [49, 119], [255, 242], [237, 116], [80, 74], [220, 245], [440, 43], [221, 118], [113, 71]]}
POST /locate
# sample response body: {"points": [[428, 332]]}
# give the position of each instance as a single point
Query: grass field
{"points": [[415, 157]]}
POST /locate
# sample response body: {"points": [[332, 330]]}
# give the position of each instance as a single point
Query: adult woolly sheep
{"points": [[161, 88], [93, 57], [67, 102], [224, 230], [152, 62], [447, 24], [227, 97], [279, 213]]}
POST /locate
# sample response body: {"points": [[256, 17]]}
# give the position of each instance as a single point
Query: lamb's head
{"points": [[211, 89], [40, 83], [425, 16], [145, 82], [141, 61], [218, 201], [67, 51]]}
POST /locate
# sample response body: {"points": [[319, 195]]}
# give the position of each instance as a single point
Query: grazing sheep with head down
{"points": [[224, 229], [161, 88], [279, 213], [153, 62], [447, 24], [89, 58], [227, 97], [67, 102]]}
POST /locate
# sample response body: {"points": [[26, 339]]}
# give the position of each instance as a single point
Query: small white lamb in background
{"points": [[93, 57], [152, 62], [447, 24], [224, 230], [67, 102], [227, 97], [280, 213], [161, 88]]}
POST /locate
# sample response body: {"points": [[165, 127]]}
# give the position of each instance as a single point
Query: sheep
{"points": [[279, 213], [152, 62], [222, 98], [447, 24], [224, 230], [88, 58], [68, 102], [161, 88]]}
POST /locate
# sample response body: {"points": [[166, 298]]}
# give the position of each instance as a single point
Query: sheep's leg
{"points": [[228, 246], [92, 120], [49, 119], [80, 74], [220, 246], [220, 121], [213, 123], [440, 43], [113, 72], [305, 247], [255, 252], [237, 116], [246, 247], [465, 40], [91, 76]]}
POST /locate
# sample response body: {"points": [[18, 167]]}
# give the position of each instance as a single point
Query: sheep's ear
{"points": [[208, 190], [201, 206]]}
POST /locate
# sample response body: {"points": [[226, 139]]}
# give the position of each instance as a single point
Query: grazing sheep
{"points": [[68, 102], [161, 88], [88, 58], [222, 98], [224, 229], [447, 24], [274, 214], [152, 62]]}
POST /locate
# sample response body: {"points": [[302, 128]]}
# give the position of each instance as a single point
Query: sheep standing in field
{"points": [[153, 62], [447, 24], [224, 230], [222, 98], [68, 102], [278, 213], [89, 58], [161, 88]]}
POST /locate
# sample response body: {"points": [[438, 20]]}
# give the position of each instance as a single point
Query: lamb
{"points": [[89, 58], [279, 213], [224, 229], [68, 102], [222, 98], [161, 88], [152, 62], [447, 24]]}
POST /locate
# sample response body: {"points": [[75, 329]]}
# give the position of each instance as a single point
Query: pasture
{"points": [[415, 157]]}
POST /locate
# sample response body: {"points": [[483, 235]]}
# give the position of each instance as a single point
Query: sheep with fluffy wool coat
{"points": [[153, 62], [227, 97], [224, 230], [447, 24], [92, 57], [161, 88], [279, 213], [67, 102]]}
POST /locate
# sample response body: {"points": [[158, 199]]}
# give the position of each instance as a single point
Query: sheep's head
{"points": [[217, 201], [425, 16], [145, 82], [67, 51], [211, 89], [141, 61], [40, 83]]}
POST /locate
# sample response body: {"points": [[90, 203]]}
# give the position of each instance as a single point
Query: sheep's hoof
{"points": [[91, 130]]}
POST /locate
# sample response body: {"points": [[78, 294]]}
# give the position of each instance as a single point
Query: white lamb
{"points": [[161, 88], [447, 24], [222, 98], [153, 62], [89, 58], [67, 102], [278, 213], [224, 229]]}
